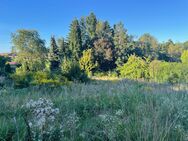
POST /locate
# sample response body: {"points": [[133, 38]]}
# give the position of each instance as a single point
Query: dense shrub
{"points": [[168, 72], [70, 72], [5, 68], [73, 72], [135, 68], [184, 57], [22, 79], [47, 78]]}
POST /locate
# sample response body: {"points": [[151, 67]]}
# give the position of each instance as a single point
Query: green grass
{"points": [[106, 110]]}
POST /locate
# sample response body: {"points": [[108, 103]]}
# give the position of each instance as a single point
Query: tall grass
{"points": [[102, 111]]}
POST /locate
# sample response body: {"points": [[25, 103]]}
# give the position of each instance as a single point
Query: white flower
{"points": [[119, 112], [30, 124], [42, 114]]}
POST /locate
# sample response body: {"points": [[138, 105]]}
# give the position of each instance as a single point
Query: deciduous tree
{"points": [[30, 50]]}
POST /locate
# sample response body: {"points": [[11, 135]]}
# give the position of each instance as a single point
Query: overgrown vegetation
{"points": [[101, 110], [94, 47], [64, 92]]}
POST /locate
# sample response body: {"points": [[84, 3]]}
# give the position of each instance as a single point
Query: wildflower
{"points": [[119, 112], [41, 115]]}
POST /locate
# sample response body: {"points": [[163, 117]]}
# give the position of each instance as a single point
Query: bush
{"points": [[168, 72], [86, 62], [73, 72], [25, 79], [46, 78], [22, 79], [184, 57], [135, 68], [5, 68]]}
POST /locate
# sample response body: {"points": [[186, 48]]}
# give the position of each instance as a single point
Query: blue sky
{"points": [[162, 18]]}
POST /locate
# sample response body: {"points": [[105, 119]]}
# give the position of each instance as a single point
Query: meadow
{"points": [[102, 110]]}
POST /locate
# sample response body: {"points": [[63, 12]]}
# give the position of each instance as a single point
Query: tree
{"points": [[91, 22], [30, 50], [103, 53], [86, 42], [184, 57], [120, 42], [86, 61], [185, 45], [174, 51], [170, 51], [163, 54], [171, 72], [63, 49], [135, 68], [75, 40], [103, 30], [104, 46], [149, 39], [149, 46], [54, 58], [72, 71]]}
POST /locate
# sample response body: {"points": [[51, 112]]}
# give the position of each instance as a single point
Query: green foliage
{"points": [[73, 72], [103, 54], [30, 50], [170, 52], [185, 45], [5, 69], [25, 79], [91, 22], [149, 39], [54, 58], [184, 57], [75, 40], [113, 111], [168, 72], [86, 40], [86, 62], [135, 68], [103, 30], [103, 46], [2, 65], [120, 42], [149, 46], [92, 41], [63, 48], [47, 78], [174, 51], [22, 79]]}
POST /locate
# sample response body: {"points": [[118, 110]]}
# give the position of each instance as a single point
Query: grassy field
{"points": [[103, 110]]}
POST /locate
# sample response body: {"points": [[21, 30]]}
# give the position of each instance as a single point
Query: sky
{"points": [[164, 19]]}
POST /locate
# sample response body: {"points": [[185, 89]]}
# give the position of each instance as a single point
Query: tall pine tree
{"points": [[54, 55], [120, 42], [75, 40], [84, 34], [91, 22], [64, 51]]}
